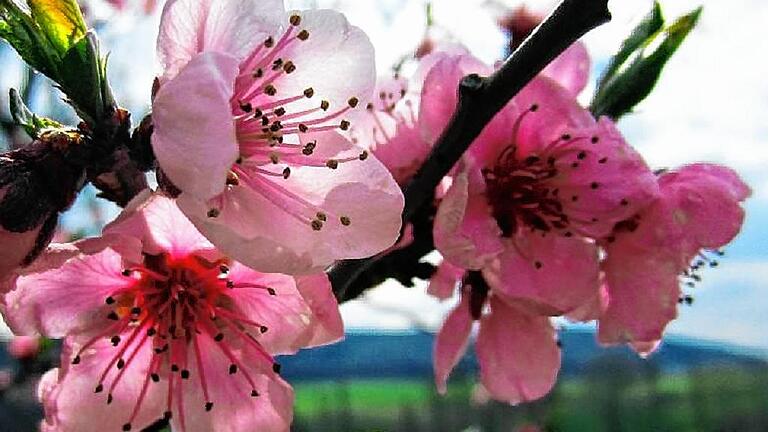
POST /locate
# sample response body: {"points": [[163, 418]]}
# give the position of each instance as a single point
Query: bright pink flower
{"points": [[698, 211], [158, 323], [541, 181], [246, 125], [24, 347], [516, 348]]}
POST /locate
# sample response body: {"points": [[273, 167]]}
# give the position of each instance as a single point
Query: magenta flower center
{"points": [[170, 304]]}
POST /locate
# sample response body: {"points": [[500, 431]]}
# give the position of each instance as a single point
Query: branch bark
{"points": [[480, 98]]}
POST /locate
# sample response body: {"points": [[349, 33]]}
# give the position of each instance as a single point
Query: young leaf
{"points": [[649, 26], [60, 20], [23, 117], [636, 77]]}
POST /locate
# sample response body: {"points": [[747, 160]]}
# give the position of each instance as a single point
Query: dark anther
{"points": [[276, 367], [624, 202], [582, 155], [303, 128], [269, 43], [136, 310], [594, 185], [345, 220], [126, 272], [115, 340], [321, 216], [167, 415], [232, 369], [254, 393], [219, 337], [99, 389], [109, 398], [109, 301], [76, 360], [155, 377], [271, 291], [286, 173], [295, 20], [270, 90], [303, 35], [185, 374], [324, 105], [534, 108], [263, 329], [174, 368], [289, 67], [309, 92], [363, 156], [127, 427], [151, 332], [332, 163], [566, 137], [230, 284], [344, 125], [353, 102], [120, 364], [538, 265], [113, 316], [595, 140], [208, 406], [246, 107], [603, 160], [316, 225], [214, 213]]}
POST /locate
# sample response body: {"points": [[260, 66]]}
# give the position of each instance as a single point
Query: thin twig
{"points": [[479, 100]]}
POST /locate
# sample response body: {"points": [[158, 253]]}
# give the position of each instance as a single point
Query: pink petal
{"points": [[609, 180], [706, 203], [326, 326], [518, 354], [194, 132], [439, 94], [643, 293], [65, 300], [162, 228], [336, 61], [443, 283], [254, 227], [592, 309], [557, 272], [72, 406], [570, 69], [234, 409], [234, 27], [286, 315], [465, 232], [451, 343]]}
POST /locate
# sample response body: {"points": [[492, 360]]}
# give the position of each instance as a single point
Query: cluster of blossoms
{"points": [[550, 213], [278, 155]]}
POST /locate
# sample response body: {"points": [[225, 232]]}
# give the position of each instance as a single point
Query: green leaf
{"points": [[22, 116], [82, 78], [634, 79], [60, 20], [649, 26]]}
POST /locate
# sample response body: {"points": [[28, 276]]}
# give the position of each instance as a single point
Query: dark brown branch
{"points": [[479, 100]]}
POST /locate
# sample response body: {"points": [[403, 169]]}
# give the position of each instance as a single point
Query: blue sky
{"points": [[711, 105]]}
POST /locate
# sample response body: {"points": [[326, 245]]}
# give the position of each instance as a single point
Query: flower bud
{"points": [[24, 347]]}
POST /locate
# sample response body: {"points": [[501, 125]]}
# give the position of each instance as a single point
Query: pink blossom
{"points": [[158, 323], [542, 181], [516, 348], [24, 347], [254, 98], [697, 212], [16, 248]]}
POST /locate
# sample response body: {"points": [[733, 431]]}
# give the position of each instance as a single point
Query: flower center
{"points": [[170, 305]]}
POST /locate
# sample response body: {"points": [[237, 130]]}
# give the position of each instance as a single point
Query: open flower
{"points": [[516, 347], [246, 125], [542, 181], [157, 323], [698, 212]]}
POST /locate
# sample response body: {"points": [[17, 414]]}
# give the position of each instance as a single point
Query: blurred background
{"points": [[710, 373]]}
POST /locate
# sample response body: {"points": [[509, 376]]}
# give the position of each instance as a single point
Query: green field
{"points": [[606, 399]]}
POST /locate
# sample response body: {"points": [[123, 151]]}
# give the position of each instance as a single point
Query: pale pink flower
{"points": [[24, 347], [516, 348], [158, 323], [540, 183], [699, 211], [246, 125]]}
